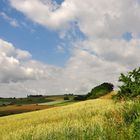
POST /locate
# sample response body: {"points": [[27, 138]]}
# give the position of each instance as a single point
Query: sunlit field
{"points": [[69, 69], [87, 120]]}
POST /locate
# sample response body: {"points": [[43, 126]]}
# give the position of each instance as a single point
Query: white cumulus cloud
{"points": [[102, 18], [101, 57], [16, 64], [90, 65]]}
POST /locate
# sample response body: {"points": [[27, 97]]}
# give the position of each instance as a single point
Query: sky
{"points": [[54, 47]]}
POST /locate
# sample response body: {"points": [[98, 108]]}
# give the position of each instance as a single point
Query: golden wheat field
{"points": [[83, 120]]}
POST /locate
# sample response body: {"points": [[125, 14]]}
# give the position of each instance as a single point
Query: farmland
{"points": [[93, 120], [10, 106], [73, 117], [15, 109]]}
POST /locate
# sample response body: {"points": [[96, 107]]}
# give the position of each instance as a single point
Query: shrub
{"points": [[4, 105], [19, 105], [80, 98], [132, 112], [66, 98], [131, 117], [130, 84]]}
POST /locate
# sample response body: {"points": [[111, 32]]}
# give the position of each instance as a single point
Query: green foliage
{"points": [[22, 101], [100, 90], [131, 117], [80, 98], [132, 112], [130, 84], [66, 98]]}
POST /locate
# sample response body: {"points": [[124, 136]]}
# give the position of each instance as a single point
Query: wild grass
{"points": [[99, 119]]}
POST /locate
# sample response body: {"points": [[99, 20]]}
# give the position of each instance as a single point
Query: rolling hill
{"points": [[88, 120]]}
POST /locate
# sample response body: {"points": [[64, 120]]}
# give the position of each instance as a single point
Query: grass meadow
{"points": [[98, 119]]}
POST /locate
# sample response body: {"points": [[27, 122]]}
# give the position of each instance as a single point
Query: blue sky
{"points": [[40, 41], [75, 44]]}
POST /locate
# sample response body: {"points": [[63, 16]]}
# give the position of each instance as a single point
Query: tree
{"points": [[100, 90], [130, 84], [80, 98], [66, 98]]}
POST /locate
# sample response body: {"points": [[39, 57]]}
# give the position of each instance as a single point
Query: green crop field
{"points": [[10, 106], [98, 119]]}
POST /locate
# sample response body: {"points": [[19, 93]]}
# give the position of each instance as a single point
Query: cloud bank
{"points": [[102, 18], [100, 57], [89, 65]]}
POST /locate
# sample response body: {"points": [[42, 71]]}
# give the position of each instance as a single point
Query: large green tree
{"points": [[100, 90], [130, 84]]}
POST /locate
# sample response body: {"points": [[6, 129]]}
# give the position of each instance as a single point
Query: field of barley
{"points": [[98, 119]]}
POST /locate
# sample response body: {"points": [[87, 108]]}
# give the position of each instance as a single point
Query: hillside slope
{"points": [[80, 121]]}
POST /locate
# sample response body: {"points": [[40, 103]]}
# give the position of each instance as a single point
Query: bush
{"points": [[131, 117], [130, 84], [80, 98], [19, 105], [132, 112], [4, 105], [66, 98], [100, 90]]}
